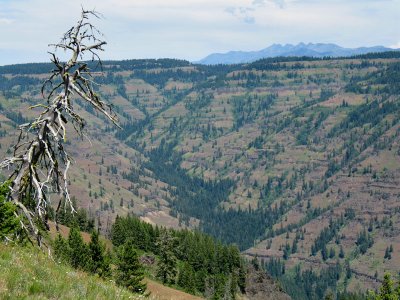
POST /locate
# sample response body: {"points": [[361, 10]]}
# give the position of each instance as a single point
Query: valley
{"points": [[295, 160]]}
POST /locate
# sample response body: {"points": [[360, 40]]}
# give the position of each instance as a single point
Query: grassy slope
{"points": [[161, 292], [27, 273], [30, 274]]}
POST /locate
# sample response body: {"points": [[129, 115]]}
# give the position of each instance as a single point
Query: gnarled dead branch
{"points": [[40, 162]]}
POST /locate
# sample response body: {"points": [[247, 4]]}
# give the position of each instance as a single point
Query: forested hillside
{"points": [[295, 160]]}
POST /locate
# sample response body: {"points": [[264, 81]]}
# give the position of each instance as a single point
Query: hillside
{"points": [[295, 160]]}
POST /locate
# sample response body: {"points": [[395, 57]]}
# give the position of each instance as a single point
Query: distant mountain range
{"points": [[301, 49]]}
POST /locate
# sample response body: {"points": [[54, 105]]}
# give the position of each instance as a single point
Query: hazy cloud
{"points": [[247, 13], [242, 13], [261, 3], [258, 3], [280, 3], [191, 29], [5, 21], [395, 46]]}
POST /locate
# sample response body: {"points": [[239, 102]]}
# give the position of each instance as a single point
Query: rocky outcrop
{"points": [[260, 286]]}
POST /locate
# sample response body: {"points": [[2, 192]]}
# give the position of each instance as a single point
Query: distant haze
{"points": [[301, 49]]}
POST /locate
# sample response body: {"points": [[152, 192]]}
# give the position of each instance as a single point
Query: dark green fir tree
{"points": [[166, 269], [99, 262], [186, 278], [130, 273], [9, 223], [78, 254], [61, 249]]}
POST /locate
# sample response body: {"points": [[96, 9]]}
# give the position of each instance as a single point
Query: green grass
{"points": [[28, 273]]}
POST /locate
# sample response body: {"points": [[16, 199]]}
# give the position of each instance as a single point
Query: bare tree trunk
{"points": [[40, 163]]}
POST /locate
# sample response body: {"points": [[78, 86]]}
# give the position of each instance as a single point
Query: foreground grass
{"points": [[27, 273]]}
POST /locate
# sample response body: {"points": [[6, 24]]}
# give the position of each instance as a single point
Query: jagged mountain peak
{"points": [[301, 49]]}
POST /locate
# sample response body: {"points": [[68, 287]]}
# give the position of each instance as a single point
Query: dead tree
{"points": [[39, 165]]}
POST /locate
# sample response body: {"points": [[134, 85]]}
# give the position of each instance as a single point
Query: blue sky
{"points": [[192, 29]]}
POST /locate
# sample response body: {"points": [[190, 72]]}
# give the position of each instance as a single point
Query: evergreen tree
{"points": [[387, 290], [99, 263], [186, 278], [79, 219], [166, 269], [286, 251], [324, 252], [294, 246], [221, 287], [332, 253], [130, 273], [78, 254], [61, 249], [200, 280], [9, 223], [341, 252], [364, 241], [242, 277], [118, 231], [387, 253]]}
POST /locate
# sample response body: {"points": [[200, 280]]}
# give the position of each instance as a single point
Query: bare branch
{"points": [[40, 163]]}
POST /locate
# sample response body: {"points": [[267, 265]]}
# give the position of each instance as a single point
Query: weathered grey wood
{"points": [[40, 162]]}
